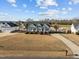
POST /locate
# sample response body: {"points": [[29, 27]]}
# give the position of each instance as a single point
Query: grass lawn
{"points": [[65, 26], [32, 42]]}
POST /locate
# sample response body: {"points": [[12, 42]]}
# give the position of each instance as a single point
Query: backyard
{"points": [[32, 45], [73, 37]]}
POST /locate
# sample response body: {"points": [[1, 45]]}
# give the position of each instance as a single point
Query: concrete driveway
{"points": [[74, 48]]}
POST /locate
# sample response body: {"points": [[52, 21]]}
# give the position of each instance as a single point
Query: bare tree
{"points": [[56, 26]]}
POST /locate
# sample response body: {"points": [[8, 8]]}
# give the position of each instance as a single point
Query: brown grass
{"points": [[33, 53], [32, 42], [73, 37]]}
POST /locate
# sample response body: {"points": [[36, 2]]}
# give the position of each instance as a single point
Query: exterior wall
{"points": [[73, 29], [4, 25], [39, 29], [6, 28], [22, 27], [36, 28], [46, 28], [9, 29], [31, 28]]}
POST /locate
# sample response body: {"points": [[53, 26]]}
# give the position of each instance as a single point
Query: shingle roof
{"points": [[11, 24]]}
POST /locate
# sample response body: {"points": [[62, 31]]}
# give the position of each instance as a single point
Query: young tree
{"points": [[56, 26]]}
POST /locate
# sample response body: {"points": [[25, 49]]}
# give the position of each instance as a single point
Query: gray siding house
{"points": [[8, 26], [38, 26], [31, 28], [46, 28]]}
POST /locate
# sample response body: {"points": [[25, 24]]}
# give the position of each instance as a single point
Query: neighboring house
{"points": [[46, 28], [31, 28], [38, 26], [8, 26], [74, 28], [22, 27]]}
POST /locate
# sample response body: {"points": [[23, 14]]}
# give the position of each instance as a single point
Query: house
{"points": [[74, 28], [8, 26], [31, 28], [38, 26], [21, 26], [46, 28]]}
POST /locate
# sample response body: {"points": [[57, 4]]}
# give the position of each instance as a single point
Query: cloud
{"points": [[43, 7], [49, 13], [24, 5], [26, 11], [6, 17], [55, 12], [33, 11], [18, 10], [52, 12], [3, 14], [70, 3], [14, 5], [46, 3], [12, 2], [74, 1], [67, 9], [63, 8], [70, 9], [64, 12]]}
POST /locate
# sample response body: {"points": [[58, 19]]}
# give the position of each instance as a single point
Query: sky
{"points": [[13, 10]]}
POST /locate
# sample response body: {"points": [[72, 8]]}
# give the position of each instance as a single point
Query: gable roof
{"points": [[31, 25], [38, 25], [46, 26], [11, 24]]}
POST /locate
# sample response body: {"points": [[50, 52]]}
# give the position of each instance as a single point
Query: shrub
{"points": [[77, 33], [0, 31]]}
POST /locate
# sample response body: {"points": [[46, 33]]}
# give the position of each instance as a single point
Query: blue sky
{"points": [[38, 9]]}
